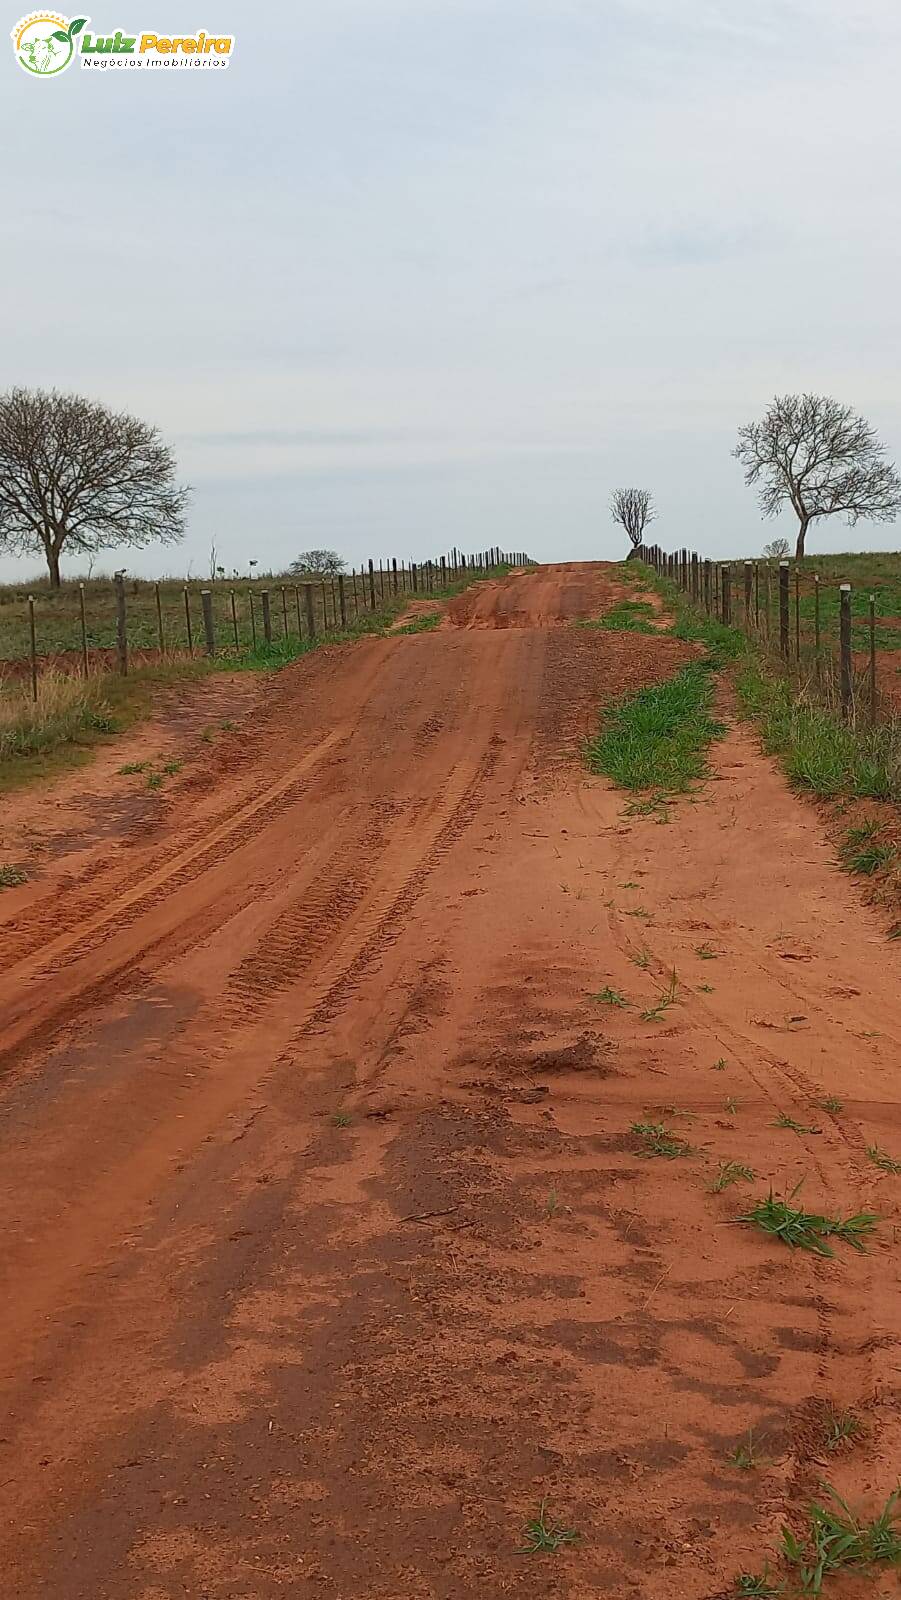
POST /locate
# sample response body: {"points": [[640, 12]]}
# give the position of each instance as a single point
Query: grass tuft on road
{"points": [[658, 739], [806, 1230], [836, 1539], [629, 616]]}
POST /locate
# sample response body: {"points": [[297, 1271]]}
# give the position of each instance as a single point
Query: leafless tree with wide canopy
{"points": [[822, 459], [634, 510], [75, 476]]}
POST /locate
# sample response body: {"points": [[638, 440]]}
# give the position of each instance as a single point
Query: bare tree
{"points": [[821, 459], [76, 476], [776, 549], [318, 564], [634, 509]]}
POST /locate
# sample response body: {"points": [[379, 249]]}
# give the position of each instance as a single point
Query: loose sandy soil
{"points": [[328, 1253]]}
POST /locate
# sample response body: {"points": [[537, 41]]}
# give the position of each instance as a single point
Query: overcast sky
{"points": [[415, 273]]}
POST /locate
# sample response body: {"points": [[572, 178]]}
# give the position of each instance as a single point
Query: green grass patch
{"points": [[882, 1160], [544, 1537], [659, 1140], [842, 1428], [756, 1583], [659, 738], [785, 1121], [664, 1001], [836, 1539], [807, 1230], [722, 642], [629, 616], [731, 1172], [883, 638], [610, 997], [819, 752], [862, 851], [423, 624]]}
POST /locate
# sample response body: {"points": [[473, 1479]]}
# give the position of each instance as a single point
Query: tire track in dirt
{"points": [[247, 1035], [842, 1375], [204, 846], [381, 929], [29, 1024]]}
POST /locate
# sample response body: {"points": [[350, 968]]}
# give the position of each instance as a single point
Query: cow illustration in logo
{"points": [[45, 42]]}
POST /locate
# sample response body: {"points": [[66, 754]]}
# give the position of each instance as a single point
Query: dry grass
{"points": [[65, 708]]}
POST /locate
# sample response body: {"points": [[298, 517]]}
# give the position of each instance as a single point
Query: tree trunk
{"points": [[53, 567], [803, 525]]}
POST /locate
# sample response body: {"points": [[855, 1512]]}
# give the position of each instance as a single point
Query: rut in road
{"points": [[329, 1253]]}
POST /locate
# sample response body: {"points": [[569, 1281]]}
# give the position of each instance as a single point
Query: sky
{"points": [[421, 273]]}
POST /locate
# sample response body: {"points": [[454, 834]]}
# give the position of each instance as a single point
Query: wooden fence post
{"points": [[846, 676], [121, 627], [285, 608], [707, 587], [413, 576], [816, 626], [757, 596], [872, 658], [311, 615], [797, 615], [297, 609], [84, 627], [783, 609], [206, 604], [253, 619], [188, 621], [394, 573], [33, 648], [371, 586], [727, 594], [267, 616], [234, 618], [159, 622], [342, 600], [749, 578]]}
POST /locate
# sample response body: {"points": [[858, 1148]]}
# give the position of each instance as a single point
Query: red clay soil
{"points": [[328, 1252], [544, 597]]}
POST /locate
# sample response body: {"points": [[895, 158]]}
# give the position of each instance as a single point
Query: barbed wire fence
{"points": [[130, 619], [821, 635]]}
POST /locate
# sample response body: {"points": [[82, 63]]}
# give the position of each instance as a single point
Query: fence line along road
{"points": [[219, 618], [783, 608]]}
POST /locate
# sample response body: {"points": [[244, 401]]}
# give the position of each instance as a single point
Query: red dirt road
{"points": [[328, 1253]]}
